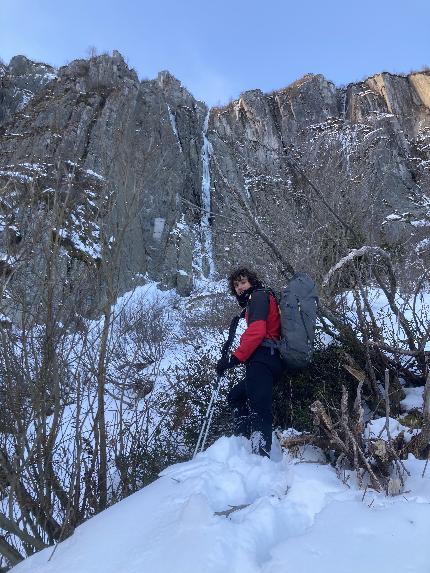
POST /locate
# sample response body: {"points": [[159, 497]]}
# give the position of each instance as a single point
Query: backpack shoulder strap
{"points": [[232, 331]]}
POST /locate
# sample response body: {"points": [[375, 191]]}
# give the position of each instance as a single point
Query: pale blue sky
{"points": [[221, 48]]}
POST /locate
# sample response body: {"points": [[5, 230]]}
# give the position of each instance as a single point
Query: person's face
{"points": [[241, 285]]}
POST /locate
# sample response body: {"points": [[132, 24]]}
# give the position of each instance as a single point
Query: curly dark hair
{"points": [[241, 273]]}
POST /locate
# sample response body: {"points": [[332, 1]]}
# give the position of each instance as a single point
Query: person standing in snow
{"points": [[251, 399]]}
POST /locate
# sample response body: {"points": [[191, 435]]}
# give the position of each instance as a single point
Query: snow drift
{"points": [[230, 510]]}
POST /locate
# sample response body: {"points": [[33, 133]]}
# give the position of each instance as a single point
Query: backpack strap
{"points": [[272, 344], [232, 332]]}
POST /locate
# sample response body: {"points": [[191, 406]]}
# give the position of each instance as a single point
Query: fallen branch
{"points": [[397, 350], [232, 509], [290, 442]]}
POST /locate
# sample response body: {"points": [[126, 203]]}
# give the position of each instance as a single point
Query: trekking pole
{"points": [[209, 412], [208, 418]]}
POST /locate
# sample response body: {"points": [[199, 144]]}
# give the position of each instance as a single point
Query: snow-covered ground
{"points": [[291, 515]]}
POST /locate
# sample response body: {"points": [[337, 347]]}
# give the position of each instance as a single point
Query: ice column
{"points": [[207, 260]]}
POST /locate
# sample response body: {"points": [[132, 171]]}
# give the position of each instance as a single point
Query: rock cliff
{"points": [[144, 165], [365, 147]]}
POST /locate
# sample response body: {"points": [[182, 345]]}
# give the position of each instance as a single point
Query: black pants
{"points": [[251, 399]]}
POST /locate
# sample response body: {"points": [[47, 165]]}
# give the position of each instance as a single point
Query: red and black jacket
{"points": [[263, 320]]}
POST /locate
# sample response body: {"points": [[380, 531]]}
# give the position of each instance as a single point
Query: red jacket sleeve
{"points": [[258, 309]]}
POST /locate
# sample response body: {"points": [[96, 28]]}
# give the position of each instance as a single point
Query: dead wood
{"points": [[377, 459], [291, 442], [231, 510]]}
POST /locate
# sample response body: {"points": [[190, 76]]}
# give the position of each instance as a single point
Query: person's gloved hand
{"points": [[225, 363]]}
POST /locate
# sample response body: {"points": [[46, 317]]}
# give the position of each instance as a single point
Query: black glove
{"points": [[225, 363]]}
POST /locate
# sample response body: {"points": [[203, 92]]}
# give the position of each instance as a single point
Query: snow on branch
{"points": [[351, 256]]}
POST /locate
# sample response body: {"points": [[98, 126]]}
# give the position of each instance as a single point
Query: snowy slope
{"points": [[298, 517]]}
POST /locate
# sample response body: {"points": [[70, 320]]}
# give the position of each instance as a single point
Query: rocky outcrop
{"points": [[145, 163], [20, 81], [364, 147], [143, 140]]}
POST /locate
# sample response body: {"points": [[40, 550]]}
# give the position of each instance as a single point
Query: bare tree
{"points": [[83, 418]]}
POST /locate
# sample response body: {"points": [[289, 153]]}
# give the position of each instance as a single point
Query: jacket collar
{"points": [[243, 298]]}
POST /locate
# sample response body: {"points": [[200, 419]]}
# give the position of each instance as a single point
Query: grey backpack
{"points": [[298, 308]]}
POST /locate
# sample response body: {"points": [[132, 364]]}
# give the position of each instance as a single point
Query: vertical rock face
{"points": [[141, 140], [126, 157]]}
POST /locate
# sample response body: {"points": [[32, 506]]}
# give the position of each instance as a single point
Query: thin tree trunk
{"points": [[101, 420], [426, 409]]}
